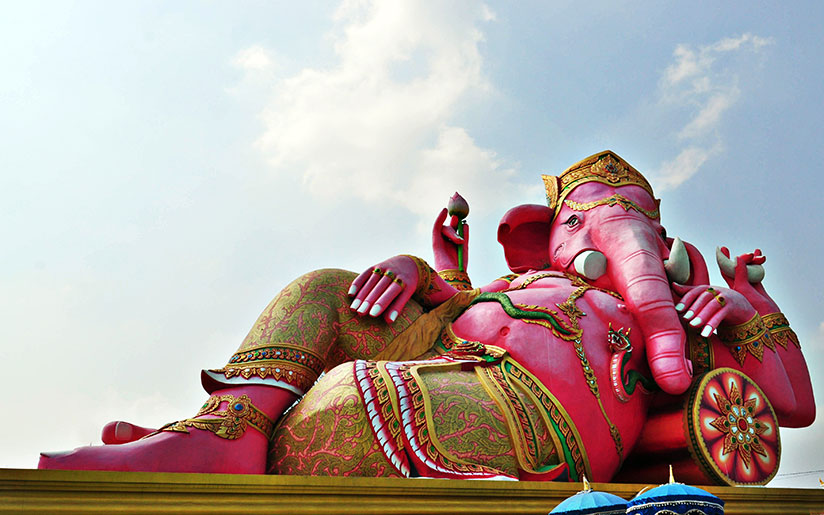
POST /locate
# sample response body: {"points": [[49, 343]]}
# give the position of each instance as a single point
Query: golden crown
{"points": [[605, 167]]}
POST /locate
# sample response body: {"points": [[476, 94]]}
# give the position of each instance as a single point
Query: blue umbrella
{"points": [[675, 498], [591, 502]]}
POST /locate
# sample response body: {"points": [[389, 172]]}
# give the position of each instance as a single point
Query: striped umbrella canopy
{"points": [[676, 498]]}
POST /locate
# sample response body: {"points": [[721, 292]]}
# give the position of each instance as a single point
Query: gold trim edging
{"points": [[63, 491]]}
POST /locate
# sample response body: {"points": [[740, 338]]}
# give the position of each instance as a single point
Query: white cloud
{"points": [[705, 82], [683, 166], [710, 114], [253, 58], [377, 125]]}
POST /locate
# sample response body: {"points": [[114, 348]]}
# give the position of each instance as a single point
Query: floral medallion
{"points": [[733, 429]]}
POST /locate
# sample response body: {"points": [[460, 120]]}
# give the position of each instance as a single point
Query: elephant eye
{"points": [[572, 221], [664, 233]]}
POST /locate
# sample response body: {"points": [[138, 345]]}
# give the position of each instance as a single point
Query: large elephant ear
{"points": [[524, 233]]}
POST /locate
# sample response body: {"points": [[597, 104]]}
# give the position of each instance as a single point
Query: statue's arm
{"points": [[745, 311], [745, 275]]}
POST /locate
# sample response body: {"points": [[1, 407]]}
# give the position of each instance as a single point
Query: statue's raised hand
{"points": [[711, 306], [385, 288], [745, 275], [450, 242]]}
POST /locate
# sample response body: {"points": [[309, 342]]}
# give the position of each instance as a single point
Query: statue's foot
{"points": [[230, 434], [120, 432]]}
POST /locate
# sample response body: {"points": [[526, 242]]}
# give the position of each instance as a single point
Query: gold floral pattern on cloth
{"points": [[779, 328], [430, 458], [310, 323], [465, 418], [328, 434], [462, 420], [748, 338], [523, 426], [565, 435]]}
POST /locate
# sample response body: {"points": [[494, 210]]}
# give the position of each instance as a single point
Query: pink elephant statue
{"points": [[549, 373]]}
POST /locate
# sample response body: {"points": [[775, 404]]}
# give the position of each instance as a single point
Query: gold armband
{"points": [[779, 328], [508, 278], [458, 279], [230, 423], [750, 337]]}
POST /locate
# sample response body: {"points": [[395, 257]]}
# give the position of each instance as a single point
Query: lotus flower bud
{"points": [[458, 206]]}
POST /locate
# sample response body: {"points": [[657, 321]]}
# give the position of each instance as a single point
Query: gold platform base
{"points": [[58, 491]]}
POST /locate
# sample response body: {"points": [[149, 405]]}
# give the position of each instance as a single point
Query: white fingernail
{"points": [[707, 331], [678, 307], [393, 315], [375, 310], [355, 304], [695, 322], [352, 290], [362, 309], [689, 314]]}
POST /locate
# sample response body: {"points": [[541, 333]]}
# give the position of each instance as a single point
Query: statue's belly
{"points": [[555, 359]]}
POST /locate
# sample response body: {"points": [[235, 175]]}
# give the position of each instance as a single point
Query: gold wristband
{"points": [[425, 274], [230, 423], [779, 328], [750, 337], [458, 279]]}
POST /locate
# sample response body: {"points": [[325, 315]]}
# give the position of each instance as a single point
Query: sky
{"points": [[166, 168]]}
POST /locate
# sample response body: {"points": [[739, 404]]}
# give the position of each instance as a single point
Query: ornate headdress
{"points": [[605, 167]]}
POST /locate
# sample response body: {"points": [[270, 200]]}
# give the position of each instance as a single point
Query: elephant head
{"points": [[603, 223]]}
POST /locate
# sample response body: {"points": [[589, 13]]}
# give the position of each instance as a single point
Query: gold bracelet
{"points": [[458, 279], [779, 328], [750, 337], [230, 423], [425, 273]]}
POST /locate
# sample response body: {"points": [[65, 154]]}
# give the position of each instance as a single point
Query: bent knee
{"points": [[327, 277]]}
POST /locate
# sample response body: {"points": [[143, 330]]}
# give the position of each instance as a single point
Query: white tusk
{"points": [[755, 273], [678, 264], [590, 264]]}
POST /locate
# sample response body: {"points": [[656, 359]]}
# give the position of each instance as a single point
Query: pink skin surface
{"points": [[197, 451], [635, 247]]}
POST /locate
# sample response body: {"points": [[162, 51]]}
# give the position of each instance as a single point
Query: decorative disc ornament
{"points": [[733, 430]]}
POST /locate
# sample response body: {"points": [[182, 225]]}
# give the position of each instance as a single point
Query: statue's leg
{"points": [[328, 433], [306, 329]]}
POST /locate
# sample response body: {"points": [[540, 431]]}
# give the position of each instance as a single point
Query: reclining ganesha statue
{"points": [[604, 353]]}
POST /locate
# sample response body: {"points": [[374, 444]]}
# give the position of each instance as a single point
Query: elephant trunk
{"points": [[636, 269]]}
